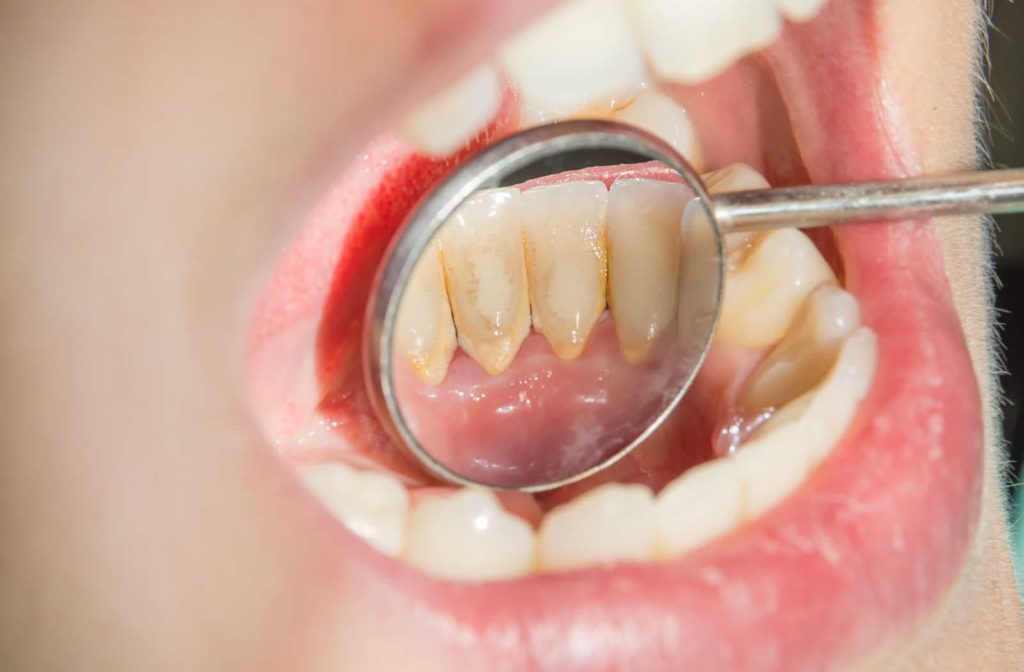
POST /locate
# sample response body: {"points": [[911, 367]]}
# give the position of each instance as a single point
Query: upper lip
{"points": [[867, 546]]}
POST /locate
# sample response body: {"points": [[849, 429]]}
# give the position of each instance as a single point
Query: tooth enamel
{"points": [[697, 507], [806, 353], [692, 40], [580, 58], [485, 272], [425, 332], [612, 523], [566, 259], [372, 505], [644, 218], [468, 536], [801, 10], [454, 117], [659, 115], [776, 460], [767, 280]]}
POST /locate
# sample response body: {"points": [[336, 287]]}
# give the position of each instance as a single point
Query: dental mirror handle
{"points": [[972, 193]]}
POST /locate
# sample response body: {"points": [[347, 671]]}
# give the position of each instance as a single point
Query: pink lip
{"points": [[858, 555]]}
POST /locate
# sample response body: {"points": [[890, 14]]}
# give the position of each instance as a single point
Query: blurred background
{"points": [[1006, 140]]}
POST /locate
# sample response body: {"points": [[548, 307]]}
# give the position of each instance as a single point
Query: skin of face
{"points": [[155, 158]]}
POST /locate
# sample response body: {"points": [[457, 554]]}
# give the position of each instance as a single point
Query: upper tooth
{"points": [[425, 333], [566, 256], [580, 58], [468, 536], [609, 524], [800, 10], [698, 506], [644, 218], [372, 505], [806, 353], [482, 250], [692, 40], [659, 115], [450, 120]]}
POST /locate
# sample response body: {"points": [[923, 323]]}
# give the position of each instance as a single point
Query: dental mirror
{"points": [[517, 339]]}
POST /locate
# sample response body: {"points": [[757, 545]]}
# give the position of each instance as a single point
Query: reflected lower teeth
{"points": [[820, 365], [780, 296]]}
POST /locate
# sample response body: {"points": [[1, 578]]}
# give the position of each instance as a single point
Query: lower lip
{"points": [[858, 555]]}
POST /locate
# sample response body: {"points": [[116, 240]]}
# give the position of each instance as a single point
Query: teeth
{"points": [[776, 460], [613, 523], [767, 279], [468, 536], [644, 218], [692, 40], [566, 257], [801, 10], [579, 59], [372, 505], [702, 504], [449, 121], [659, 115], [485, 271], [425, 332], [806, 353]]}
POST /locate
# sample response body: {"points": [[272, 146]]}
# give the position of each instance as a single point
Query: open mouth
{"points": [[818, 490]]}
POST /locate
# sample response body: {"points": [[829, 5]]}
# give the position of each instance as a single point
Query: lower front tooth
{"points": [[644, 218], [485, 272], [659, 115], [372, 505], [612, 523], [468, 536], [566, 259], [424, 331], [697, 507]]}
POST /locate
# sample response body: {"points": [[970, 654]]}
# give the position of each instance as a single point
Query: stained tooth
{"points": [[425, 332], [485, 272], [580, 58], [566, 258], [612, 523], [455, 116], [644, 218], [801, 10], [658, 114], [373, 505], [806, 353], [767, 280], [692, 40], [695, 508], [468, 536]]}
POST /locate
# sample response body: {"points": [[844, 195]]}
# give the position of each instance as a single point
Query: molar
{"points": [[579, 59], [566, 259], [425, 332], [372, 505], [485, 272], [455, 116], [612, 523], [692, 40], [644, 234], [468, 536]]}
